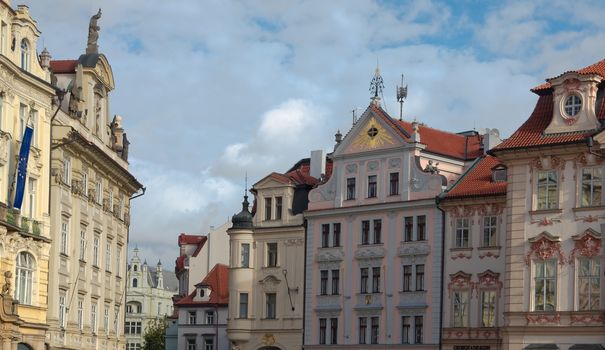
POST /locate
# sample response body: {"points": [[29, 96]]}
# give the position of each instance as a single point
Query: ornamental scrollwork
{"points": [[544, 246], [459, 280], [588, 244]]}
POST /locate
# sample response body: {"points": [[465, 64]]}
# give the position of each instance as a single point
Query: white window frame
{"points": [[462, 226], [547, 187], [593, 183], [64, 248], [537, 265], [460, 320], [598, 276]]}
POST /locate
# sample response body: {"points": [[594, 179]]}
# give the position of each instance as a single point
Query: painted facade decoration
{"points": [[374, 235], [554, 285]]}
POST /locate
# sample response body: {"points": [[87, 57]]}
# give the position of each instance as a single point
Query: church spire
{"points": [[376, 86]]}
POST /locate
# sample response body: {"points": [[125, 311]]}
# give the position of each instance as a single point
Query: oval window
{"points": [[573, 105]]}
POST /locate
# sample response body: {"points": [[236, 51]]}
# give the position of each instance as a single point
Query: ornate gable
{"points": [[371, 132]]}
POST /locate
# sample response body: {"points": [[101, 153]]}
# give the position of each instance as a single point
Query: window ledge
{"points": [[596, 207], [545, 211]]}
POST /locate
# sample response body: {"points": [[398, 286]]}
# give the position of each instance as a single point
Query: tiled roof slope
{"points": [[438, 141], [477, 181], [218, 282], [596, 68], [63, 66]]}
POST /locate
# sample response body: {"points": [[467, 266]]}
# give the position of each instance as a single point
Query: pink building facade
{"points": [[374, 235]]}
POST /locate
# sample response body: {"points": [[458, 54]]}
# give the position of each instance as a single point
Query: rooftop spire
{"points": [[402, 95], [376, 86]]}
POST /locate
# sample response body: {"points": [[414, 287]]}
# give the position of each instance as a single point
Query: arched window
{"points": [[25, 55], [24, 278], [135, 283], [135, 268]]}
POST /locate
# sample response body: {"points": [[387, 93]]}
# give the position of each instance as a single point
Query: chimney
{"points": [[318, 163], [491, 139]]}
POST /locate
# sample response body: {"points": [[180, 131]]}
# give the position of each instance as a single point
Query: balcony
{"points": [[13, 221]]}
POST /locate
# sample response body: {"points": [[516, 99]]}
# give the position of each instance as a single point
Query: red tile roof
{"points": [[477, 181], [596, 68], [63, 66], [218, 282], [437, 141]]}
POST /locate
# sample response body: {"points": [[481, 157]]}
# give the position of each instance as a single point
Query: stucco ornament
{"points": [[587, 244], [459, 280], [544, 246], [372, 136], [268, 339], [6, 287]]}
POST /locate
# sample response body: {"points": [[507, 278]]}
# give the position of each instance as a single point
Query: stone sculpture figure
{"points": [[6, 288], [93, 33]]}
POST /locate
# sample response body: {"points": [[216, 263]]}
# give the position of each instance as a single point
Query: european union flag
{"points": [[22, 168]]}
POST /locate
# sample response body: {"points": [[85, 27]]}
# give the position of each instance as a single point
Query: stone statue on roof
{"points": [[93, 34]]}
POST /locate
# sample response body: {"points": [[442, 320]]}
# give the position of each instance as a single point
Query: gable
{"points": [[370, 133]]}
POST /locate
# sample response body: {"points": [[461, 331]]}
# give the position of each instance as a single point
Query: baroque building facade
{"points": [[90, 192], [266, 271], [374, 235], [148, 297], [26, 100], [475, 249], [554, 282]]}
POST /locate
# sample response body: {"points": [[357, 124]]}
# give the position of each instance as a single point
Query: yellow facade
{"points": [[26, 96]]}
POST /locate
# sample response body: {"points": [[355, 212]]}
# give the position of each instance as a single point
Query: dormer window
{"points": [[499, 174], [24, 55], [573, 105]]}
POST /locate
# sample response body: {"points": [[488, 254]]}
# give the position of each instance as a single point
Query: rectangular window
{"points": [[350, 188], [335, 281], [418, 328], [363, 288], [31, 197], [462, 233], [85, 182], [80, 315], [106, 319], [336, 235], [93, 317], [95, 251], [322, 330], [278, 208], [209, 317], [82, 245], [3, 38], [62, 306], [419, 277], [374, 333], [490, 224], [191, 344], [405, 329], [548, 192], [271, 305], [393, 184], [108, 256], [208, 342], [488, 308], [271, 254], [243, 305], [365, 232], [119, 260], [323, 290], [1, 99], [325, 235], [192, 317], [545, 284], [407, 278], [98, 192], [592, 187], [268, 205], [421, 227], [589, 284], [64, 237], [33, 122], [377, 231], [333, 331], [22, 120], [408, 234], [372, 186], [375, 279], [245, 261], [363, 327], [460, 312]]}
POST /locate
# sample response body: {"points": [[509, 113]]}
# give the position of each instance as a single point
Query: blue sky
{"points": [[210, 89]]}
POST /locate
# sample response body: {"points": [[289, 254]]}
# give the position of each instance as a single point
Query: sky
{"points": [[212, 90]]}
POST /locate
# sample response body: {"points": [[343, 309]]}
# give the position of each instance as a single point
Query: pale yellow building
{"points": [[91, 188], [26, 97]]}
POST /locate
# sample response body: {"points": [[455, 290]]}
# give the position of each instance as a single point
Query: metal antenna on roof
{"points": [[246, 185], [402, 95]]}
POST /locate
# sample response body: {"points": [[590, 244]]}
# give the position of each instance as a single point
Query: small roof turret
{"points": [[244, 218]]}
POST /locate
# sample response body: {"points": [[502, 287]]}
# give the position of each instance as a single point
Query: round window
{"points": [[573, 105]]}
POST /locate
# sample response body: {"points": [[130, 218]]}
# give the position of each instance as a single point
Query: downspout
{"points": [[437, 200], [216, 324], [304, 285]]}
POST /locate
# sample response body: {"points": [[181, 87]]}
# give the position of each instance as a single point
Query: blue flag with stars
{"points": [[22, 167]]}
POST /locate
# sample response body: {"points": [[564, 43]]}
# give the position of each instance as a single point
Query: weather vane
{"points": [[402, 95], [376, 85]]}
